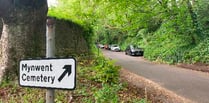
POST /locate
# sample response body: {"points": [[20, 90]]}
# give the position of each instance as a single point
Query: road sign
{"points": [[48, 73]]}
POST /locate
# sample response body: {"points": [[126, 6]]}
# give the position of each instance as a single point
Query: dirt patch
{"points": [[197, 67], [151, 90]]}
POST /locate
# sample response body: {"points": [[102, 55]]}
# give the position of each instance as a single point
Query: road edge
{"points": [[155, 92]]}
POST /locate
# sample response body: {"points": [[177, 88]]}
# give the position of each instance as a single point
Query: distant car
{"points": [[134, 50], [100, 46], [115, 47], [107, 47]]}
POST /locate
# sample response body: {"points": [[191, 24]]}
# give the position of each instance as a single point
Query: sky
{"points": [[52, 2]]}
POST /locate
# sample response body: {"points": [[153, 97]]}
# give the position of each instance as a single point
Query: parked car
{"points": [[134, 50], [106, 46], [100, 46], [115, 47]]}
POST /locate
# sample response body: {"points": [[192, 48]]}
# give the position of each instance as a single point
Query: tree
{"points": [[23, 33], [158, 25]]}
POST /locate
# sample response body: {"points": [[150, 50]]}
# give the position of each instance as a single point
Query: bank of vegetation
{"points": [[171, 31], [97, 82]]}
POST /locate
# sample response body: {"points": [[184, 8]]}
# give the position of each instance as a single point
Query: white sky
{"points": [[52, 2]]}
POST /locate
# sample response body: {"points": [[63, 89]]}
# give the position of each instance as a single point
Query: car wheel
{"points": [[142, 54], [129, 53]]}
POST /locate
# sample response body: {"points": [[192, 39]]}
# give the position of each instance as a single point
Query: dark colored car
{"points": [[134, 50]]}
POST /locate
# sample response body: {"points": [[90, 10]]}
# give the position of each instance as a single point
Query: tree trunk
{"points": [[197, 36], [23, 34]]}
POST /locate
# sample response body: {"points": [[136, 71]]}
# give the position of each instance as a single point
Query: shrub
{"points": [[105, 71]]}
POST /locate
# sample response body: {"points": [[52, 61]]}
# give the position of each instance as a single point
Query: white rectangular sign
{"points": [[48, 73]]}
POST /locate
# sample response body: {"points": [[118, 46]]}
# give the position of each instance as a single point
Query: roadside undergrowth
{"points": [[97, 82]]}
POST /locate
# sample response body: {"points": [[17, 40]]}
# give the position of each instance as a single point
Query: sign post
{"points": [[50, 73], [50, 52]]}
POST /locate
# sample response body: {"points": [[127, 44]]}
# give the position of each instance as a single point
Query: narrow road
{"points": [[190, 84]]}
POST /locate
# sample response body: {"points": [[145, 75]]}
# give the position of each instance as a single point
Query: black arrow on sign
{"points": [[67, 70]]}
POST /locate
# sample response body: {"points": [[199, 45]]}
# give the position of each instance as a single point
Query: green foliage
{"points": [[108, 93], [198, 54], [105, 71], [179, 39], [171, 31], [166, 45], [72, 11]]}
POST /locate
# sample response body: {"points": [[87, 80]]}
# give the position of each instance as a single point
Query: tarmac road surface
{"points": [[190, 84]]}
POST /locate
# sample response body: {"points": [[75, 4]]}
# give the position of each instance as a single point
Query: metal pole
{"points": [[50, 52]]}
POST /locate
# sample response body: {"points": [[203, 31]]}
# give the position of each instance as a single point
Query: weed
{"points": [[108, 93]]}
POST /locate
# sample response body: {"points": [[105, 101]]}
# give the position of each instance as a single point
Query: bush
{"points": [[105, 71], [199, 53], [168, 46]]}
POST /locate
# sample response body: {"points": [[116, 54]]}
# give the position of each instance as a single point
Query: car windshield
{"points": [[135, 47], [115, 45]]}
